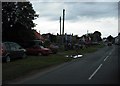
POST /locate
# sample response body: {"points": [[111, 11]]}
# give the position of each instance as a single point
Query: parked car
{"points": [[11, 50], [54, 48], [38, 50]]}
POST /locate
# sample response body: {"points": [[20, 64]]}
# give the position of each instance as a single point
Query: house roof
{"points": [[38, 36]]}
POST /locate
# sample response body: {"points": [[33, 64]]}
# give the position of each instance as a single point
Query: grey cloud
{"points": [[75, 0], [94, 10], [75, 10]]}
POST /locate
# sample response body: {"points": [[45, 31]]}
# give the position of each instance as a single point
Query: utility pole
{"points": [[60, 25], [63, 21], [63, 26]]}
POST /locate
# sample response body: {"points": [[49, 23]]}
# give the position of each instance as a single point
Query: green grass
{"points": [[23, 67], [85, 50]]}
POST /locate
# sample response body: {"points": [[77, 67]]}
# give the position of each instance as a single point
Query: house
{"points": [[38, 36], [86, 39]]}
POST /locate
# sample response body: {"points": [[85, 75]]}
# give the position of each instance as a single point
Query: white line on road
{"points": [[108, 55], [106, 58], [95, 72], [111, 52]]}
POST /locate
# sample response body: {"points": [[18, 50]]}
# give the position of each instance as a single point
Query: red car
{"points": [[38, 50]]}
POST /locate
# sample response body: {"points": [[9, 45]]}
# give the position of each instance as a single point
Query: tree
{"points": [[17, 21], [97, 36], [53, 38], [119, 33], [91, 36]]}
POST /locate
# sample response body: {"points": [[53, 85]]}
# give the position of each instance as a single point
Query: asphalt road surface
{"points": [[100, 67]]}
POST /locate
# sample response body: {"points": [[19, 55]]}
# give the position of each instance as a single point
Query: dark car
{"points": [[12, 50], [38, 50]]}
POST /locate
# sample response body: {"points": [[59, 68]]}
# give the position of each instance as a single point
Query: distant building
{"points": [[85, 39], [104, 39], [117, 39], [50, 37], [38, 36], [46, 36], [68, 38]]}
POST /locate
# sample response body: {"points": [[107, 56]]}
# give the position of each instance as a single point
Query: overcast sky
{"points": [[79, 16]]}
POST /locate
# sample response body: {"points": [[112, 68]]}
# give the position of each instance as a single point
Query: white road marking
{"points": [[111, 52], [108, 55], [95, 72], [100, 66], [106, 58]]}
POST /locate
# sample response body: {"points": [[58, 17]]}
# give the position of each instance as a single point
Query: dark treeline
{"points": [[17, 21]]}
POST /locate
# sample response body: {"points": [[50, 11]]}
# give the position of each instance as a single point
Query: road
{"points": [[100, 67]]}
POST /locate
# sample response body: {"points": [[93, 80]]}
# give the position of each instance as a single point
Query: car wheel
{"points": [[8, 59]]}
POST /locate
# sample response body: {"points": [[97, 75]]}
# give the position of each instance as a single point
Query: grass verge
{"points": [[23, 67]]}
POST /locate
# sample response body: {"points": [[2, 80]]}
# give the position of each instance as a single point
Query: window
{"points": [[6, 46], [17, 46], [12, 46]]}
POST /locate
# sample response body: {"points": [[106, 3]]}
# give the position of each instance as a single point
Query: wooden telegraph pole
{"points": [[63, 21], [60, 25], [63, 26]]}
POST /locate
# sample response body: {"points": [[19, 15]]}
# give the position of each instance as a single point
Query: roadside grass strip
{"points": [[24, 67]]}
